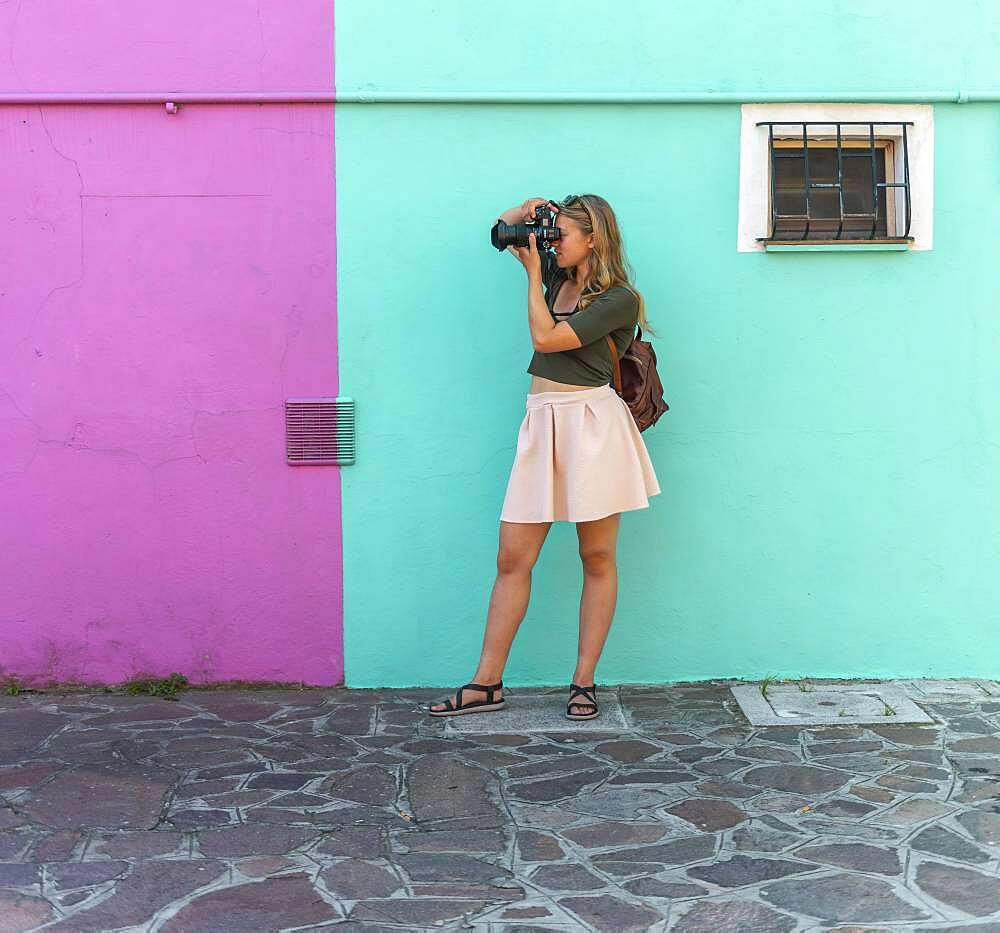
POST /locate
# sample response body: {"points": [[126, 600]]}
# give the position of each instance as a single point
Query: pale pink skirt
{"points": [[580, 457]]}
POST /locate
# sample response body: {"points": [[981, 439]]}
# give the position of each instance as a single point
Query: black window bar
{"points": [[808, 186]]}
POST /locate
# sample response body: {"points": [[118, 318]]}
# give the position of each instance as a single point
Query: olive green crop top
{"points": [[615, 312]]}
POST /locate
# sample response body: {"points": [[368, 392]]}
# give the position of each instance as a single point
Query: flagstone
{"points": [[611, 913], [709, 815], [275, 903], [714, 917], [972, 891], [856, 856], [797, 779], [845, 897], [120, 795]]}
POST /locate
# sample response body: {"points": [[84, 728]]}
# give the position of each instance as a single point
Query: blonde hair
{"points": [[608, 265]]}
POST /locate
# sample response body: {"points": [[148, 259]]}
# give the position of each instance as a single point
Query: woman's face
{"points": [[573, 247]]}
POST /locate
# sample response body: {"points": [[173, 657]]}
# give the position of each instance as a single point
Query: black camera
{"points": [[543, 226]]}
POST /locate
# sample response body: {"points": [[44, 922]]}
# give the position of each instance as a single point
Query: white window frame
{"points": [[755, 161]]}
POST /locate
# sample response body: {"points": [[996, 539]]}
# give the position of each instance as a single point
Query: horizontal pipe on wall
{"points": [[663, 97], [178, 97], [504, 97]]}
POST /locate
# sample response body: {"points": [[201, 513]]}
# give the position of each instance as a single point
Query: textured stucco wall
{"points": [[831, 504], [165, 282]]}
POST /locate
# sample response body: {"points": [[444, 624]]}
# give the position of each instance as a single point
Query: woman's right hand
{"points": [[528, 207]]}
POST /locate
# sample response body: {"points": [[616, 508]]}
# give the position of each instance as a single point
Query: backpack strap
{"points": [[617, 365]]}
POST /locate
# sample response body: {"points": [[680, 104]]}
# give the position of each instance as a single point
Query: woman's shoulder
{"points": [[620, 293]]}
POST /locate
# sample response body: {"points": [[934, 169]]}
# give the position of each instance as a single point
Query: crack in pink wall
{"points": [[166, 281]]}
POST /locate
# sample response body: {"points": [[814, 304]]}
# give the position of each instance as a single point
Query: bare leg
{"points": [[520, 545], [598, 543]]}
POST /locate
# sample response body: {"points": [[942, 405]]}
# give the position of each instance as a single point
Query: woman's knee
{"points": [[514, 561], [598, 560], [520, 545]]}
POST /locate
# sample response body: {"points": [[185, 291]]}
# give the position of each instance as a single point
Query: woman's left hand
{"points": [[528, 256]]}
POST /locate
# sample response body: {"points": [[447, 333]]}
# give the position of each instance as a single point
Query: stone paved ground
{"points": [[347, 810]]}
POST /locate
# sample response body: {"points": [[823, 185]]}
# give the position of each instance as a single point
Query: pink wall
{"points": [[165, 283]]}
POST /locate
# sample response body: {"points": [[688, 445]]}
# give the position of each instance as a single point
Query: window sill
{"points": [[836, 246]]}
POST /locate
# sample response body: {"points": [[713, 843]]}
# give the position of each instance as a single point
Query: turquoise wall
{"points": [[831, 501]]}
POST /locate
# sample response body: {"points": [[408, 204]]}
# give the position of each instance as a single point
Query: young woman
{"points": [[580, 457]]}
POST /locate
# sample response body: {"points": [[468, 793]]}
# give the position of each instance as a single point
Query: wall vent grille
{"points": [[319, 430]]}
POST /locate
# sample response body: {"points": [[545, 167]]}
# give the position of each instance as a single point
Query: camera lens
{"points": [[503, 234]]}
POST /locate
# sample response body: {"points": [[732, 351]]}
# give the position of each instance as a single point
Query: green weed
{"points": [[164, 687]]}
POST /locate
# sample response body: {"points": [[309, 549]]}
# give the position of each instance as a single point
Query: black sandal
{"points": [[590, 693], [475, 706]]}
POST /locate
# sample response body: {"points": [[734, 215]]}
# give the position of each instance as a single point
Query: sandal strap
{"points": [[488, 689], [590, 693]]}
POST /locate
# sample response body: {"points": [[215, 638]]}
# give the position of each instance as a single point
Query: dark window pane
{"points": [[824, 207]]}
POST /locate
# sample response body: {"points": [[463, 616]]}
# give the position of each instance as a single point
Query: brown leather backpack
{"points": [[637, 381]]}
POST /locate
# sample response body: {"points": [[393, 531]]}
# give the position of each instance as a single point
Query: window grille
{"points": [[319, 430], [830, 189]]}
